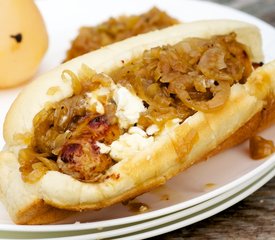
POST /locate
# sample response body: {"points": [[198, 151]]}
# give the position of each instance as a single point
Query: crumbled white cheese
{"points": [[129, 144], [103, 91], [103, 148], [129, 107], [176, 121], [98, 105], [137, 130], [170, 125], [151, 130], [93, 98]]}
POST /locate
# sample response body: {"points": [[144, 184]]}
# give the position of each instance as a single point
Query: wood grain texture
{"points": [[254, 217]]}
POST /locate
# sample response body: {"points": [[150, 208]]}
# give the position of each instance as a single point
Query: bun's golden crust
{"points": [[198, 137]]}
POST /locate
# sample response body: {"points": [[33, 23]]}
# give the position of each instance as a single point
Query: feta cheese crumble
{"points": [[103, 148], [129, 144], [129, 107], [151, 130], [94, 98]]}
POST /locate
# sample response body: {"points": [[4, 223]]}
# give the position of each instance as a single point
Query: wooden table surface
{"points": [[254, 217]]}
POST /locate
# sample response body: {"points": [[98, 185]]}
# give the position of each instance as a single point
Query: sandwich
{"points": [[115, 123]]}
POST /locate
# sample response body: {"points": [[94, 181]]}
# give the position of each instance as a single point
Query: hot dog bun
{"points": [[249, 107]]}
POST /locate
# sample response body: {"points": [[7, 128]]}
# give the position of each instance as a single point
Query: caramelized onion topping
{"points": [[173, 81], [193, 75], [260, 148], [117, 29], [33, 165]]}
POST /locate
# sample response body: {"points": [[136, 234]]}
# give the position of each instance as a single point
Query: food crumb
{"points": [[260, 147], [165, 197], [209, 186], [143, 208], [137, 207]]}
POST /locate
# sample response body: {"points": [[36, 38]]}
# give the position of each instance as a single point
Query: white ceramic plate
{"points": [[63, 18]]}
